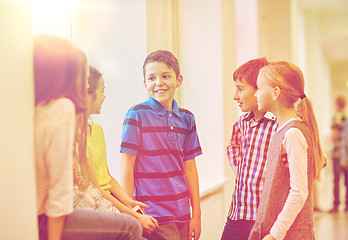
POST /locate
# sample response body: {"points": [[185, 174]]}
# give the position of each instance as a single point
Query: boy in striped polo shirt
{"points": [[159, 146], [247, 152]]}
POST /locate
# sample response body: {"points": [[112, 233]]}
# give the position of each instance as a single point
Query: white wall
{"points": [[202, 92], [113, 33], [17, 177], [317, 76], [247, 39], [275, 33], [333, 28]]}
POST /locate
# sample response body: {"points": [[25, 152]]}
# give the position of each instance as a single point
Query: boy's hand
{"points": [[268, 237], [140, 204], [195, 228], [148, 223]]}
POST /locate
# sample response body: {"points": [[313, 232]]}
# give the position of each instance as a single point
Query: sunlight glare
{"points": [[52, 17]]}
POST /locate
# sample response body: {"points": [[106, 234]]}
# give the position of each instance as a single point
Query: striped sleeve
{"points": [[131, 138]]}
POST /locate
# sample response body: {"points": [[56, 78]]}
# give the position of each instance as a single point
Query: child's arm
{"points": [[193, 187], [122, 196], [233, 148], [148, 223], [59, 167], [296, 147], [55, 227], [127, 172]]}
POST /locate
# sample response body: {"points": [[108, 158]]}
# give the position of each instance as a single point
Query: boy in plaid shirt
{"points": [[247, 152]]}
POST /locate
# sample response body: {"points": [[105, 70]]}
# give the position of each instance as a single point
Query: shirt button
{"points": [[170, 114], [171, 127]]}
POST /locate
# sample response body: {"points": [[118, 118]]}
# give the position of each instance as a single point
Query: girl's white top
{"points": [[54, 138]]}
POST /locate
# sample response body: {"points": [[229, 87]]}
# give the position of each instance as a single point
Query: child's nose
{"points": [[235, 96], [159, 81]]}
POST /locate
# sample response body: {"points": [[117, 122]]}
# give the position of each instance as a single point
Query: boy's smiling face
{"points": [[161, 83], [245, 96]]}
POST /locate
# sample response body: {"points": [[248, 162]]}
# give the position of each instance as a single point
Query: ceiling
{"points": [[325, 5], [335, 48]]}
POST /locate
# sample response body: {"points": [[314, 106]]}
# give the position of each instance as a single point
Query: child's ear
{"points": [[276, 93], [179, 81]]}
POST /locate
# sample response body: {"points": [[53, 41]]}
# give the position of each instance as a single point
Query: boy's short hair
{"points": [[250, 70], [165, 57]]}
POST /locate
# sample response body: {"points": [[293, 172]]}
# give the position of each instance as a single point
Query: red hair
{"points": [[250, 70]]}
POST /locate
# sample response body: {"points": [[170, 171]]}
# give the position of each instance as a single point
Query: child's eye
{"points": [[166, 76], [150, 78]]}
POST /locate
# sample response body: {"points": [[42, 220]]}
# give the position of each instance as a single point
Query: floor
{"points": [[330, 226]]}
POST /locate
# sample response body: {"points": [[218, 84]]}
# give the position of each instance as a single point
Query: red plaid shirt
{"points": [[247, 154]]}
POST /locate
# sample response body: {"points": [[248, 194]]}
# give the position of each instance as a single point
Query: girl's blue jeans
{"points": [[90, 224]]}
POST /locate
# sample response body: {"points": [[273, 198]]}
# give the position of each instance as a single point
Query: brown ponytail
{"points": [[305, 112]]}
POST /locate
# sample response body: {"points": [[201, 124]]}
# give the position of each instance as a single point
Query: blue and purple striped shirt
{"points": [[161, 140]]}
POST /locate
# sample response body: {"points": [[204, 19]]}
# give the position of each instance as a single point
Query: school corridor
{"points": [[330, 225], [211, 38]]}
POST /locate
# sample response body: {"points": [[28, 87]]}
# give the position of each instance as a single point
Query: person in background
{"points": [[60, 99], [339, 152], [294, 159], [247, 152], [158, 149]]}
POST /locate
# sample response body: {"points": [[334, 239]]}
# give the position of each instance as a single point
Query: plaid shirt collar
{"points": [[268, 116]]}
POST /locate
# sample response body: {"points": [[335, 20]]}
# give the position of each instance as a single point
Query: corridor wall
{"points": [[17, 176]]}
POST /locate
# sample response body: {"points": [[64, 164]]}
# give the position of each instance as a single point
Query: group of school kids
{"points": [[160, 144], [272, 156]]}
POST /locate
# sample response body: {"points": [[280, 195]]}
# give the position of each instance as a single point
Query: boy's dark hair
{"points": [[165, 57], [250, 70]]}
